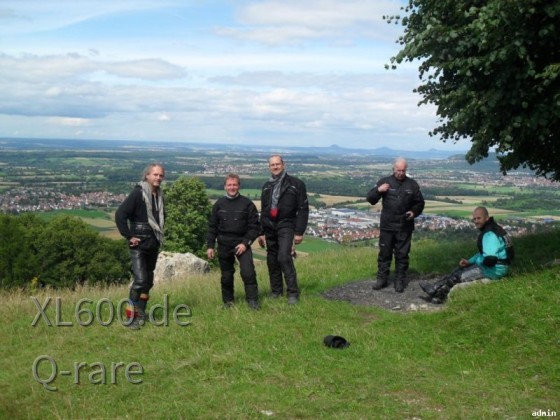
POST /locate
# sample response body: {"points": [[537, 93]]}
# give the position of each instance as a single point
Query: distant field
{"points": [[255, 194], [461, 211], [470, 199], [248, 192], [101, 221], [331, 200], [493, 188], [84, 214], [310, 245]]}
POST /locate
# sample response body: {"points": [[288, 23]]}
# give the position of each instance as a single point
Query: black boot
{"points": [[440, 289], [399, 285], [379, 284], [133, 320], [432, 289], [254, 304]]}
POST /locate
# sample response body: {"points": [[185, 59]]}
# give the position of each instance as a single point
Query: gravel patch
{"points": [[361, 293]]}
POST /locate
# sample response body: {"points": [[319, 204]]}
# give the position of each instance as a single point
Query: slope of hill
{"points": [[491, 352]]}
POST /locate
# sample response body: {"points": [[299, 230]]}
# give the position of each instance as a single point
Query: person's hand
{"points": [[298, 239], [464, 263], [133, 242], [240, 249], [383, 188], [261, 241], [210, 253], [409, 215]]}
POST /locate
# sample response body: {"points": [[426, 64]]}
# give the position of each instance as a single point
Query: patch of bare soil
{"points": [[361, 293]]}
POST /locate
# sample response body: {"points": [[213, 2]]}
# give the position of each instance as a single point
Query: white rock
{"points": [[173, 266]]}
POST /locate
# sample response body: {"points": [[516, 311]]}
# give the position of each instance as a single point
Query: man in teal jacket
{"points": [[495, 253]]}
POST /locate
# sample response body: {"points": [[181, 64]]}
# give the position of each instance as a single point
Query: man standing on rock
{"points": [[402, 201], [144, 210], [284, 216], [234, 222]]}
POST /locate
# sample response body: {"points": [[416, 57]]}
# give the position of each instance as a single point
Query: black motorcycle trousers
{"points": [[395, 244], [280, 262], [143, 266], [226, 258]]}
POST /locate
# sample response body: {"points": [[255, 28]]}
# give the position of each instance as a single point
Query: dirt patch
{"points": [[361, 293]]}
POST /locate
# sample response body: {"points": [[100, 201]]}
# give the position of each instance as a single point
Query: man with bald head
{"points": [[401, 201], [495, 253]]}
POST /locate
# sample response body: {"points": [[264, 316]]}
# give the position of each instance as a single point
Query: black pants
{"points": [[397, 244], [226, 258], [143, 266], [280, 261]]}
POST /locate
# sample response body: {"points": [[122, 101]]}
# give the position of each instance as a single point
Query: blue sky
{"points": [[272, 72]]}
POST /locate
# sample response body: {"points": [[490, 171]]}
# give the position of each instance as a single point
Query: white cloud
{"points": [[40, 69], [71, 122], [315, 13], [292, 21], [296, 72], [147, 69]]}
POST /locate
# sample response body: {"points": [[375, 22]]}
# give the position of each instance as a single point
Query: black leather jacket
{"points": [[133, 210], [233, 221], [293, 207], [403, 196]]}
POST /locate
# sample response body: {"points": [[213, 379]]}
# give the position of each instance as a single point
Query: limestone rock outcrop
{"points": [[172, 266]]}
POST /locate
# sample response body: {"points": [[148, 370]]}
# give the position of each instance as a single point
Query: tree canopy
{"points": [[492, 68], [187, 209], [61, 253]]}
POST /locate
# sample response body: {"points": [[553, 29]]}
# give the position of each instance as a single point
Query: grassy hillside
{"points": [[490, 353]]}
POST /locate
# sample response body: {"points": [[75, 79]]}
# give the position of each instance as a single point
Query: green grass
{"points": [[492, 352], [312, 244]]}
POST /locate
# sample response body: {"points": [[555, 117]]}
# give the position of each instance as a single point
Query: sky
{"points": [[269, 72]]}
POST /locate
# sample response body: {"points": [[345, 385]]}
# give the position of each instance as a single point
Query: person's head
{"points": [[232, 184], [276, 165], [154, 174], [480, 216], [399, 168]]}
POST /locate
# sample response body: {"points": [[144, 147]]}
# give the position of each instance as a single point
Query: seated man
{"points": [[495, 253]]}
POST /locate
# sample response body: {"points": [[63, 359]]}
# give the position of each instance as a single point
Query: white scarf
{"points": [[147, 196]]}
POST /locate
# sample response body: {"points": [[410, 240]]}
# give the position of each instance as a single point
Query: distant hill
{"points": [[452, 159], [79, 144]]}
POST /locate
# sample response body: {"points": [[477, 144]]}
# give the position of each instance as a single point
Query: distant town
{"points": [[46, 177], [341, 225], [346, 225]]}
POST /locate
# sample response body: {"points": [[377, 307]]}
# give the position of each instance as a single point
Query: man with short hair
{"points": [[144, 210], [234, 223], [402, 201], [284, 216], [495, 253]]}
